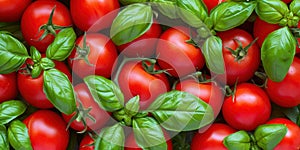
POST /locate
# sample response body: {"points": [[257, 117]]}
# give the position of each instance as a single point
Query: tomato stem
{"points": [[240, 52]]}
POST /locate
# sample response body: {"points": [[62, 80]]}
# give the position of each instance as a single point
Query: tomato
{"points": [[11, 11], [87, 143], [36, 15], [242, 62], [8, 86], [173, 44], [47, 130], [87, 13], [97, 58], [210, 4], [286, 93], [212, 138], [249, 108], [287, 1], [85, 99], [291, 139]]}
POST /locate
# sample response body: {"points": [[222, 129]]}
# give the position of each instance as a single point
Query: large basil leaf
{"points": [[132, 22], [107, 94], [111, 138], [62, 45], [295, 7], [132, 106], [148, 134], [181, 111], [9, 110], [4, 144], [228, 15], [277, 53], [238, 141], [166, 7], [13, 53], [271, 11], [59, 91], [18, 136]]}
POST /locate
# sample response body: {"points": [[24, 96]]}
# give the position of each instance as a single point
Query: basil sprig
{"points": [[271, 11]]}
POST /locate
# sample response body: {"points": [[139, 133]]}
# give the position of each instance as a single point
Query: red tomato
{"points": [[210, 4], [36, 15], [85, 98], [8, 86], [287, 1], [177, 56], [47, 130], [101, 55], [291, 139], [212, 138], [87, 143], [87, 13], [249, 108], [242, 63], [11, 11], [286, 93]]}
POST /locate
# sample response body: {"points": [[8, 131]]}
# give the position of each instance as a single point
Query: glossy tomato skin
{"points": [[250, 108], [11, 11], [8, 86], [173, 44], [212, 138], [210, 4], [291, 139], [36, 15], [102, 56], [285, 93], [47, 130], [91, 12], [87, 143]]}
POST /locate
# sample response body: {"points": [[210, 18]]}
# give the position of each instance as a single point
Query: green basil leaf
{"points": [[128, 2], [181, 111], [111, 138], [228, 15], [35, 54], [4, 144], [47, 63], [13, 53], [166, 7], [148, 134], [292, 113], [9, 110], [18, 136], [295, 7], [269, 135], [59, 91], [105, 92], [277, 53], [62, 45], [238, 141], [132, 106], [132, 22], [271, 11]]}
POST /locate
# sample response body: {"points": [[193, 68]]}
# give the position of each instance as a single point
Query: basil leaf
{"points": [[228, 15], [18, 136], [271, 11], [4, 144], [132, 106], [59, 91], [295, 7], [128, 2], [13, 53], [269, 135], [166, 7], [238, 141], [47, 63], [111, 138], [36, 71], [132, 22], [9, 110], [62, 45], [148, 134], [277, 53], [35, 55], [292, 113], [105, 92], [181, 111]]}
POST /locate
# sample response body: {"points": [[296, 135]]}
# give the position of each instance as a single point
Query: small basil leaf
{"points": [[132, 22], [292, 113], [13, 53], [47, 63], [295, 7], [9, 110], [35, 54], [148, 134], [277, 53], [105, 92], [36, 71], [132, 106], [59, 90], [269, 135], [271, 11], [181, 111], [166, 7], [111, 138], [18, 136], [238, 141], [4, 144], [128, 2], [62, 45]]}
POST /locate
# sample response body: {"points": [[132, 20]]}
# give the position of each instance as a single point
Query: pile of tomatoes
{"points": [[149, 74]]}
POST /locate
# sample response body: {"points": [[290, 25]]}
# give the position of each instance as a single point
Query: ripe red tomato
{"points": [[286, 93], [87, 143], [210, 4], [287, 1], [87, 13], [11, 11], [8, 86], [36, 15], [249, 108], [47, 130], [85, 98], [101, 55], [173, 44], [291, 139], [241, 63], [212, 138]]}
